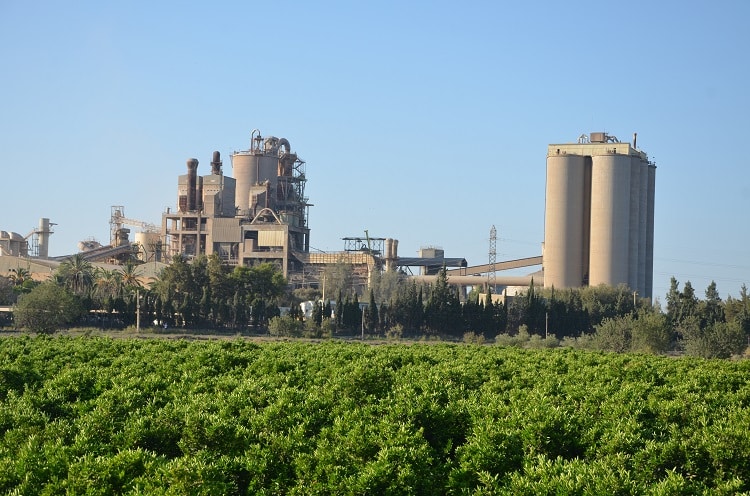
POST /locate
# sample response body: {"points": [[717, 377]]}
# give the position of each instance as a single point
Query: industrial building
{"points": [[599, 215], [34, 244], [598, 226], [261, 215]]}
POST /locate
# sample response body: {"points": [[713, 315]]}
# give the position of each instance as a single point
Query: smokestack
{"points": [[216, 164], [192, 165], [43, 239], [635, 137], [199, 194]]}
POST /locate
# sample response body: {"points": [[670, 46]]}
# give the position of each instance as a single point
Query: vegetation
{"points": [[204, 293], [46, 309], [101, 416]]}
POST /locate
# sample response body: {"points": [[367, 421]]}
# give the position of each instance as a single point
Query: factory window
{"points": [[251, 235]]}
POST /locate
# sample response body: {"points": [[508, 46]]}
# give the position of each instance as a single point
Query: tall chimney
{"points": [[216, 164], [192, 165]]}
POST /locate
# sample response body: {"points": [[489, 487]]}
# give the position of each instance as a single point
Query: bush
{"points": [[395, 332], [313, 330], [538, 342], [651, 333], [473, 338], [285, 326], [718, 340]]}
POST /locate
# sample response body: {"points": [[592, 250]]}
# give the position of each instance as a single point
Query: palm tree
{"points": [[132, 289], [128, 275], [107, 288], [107, 283], [77, 274], [19, 275]]}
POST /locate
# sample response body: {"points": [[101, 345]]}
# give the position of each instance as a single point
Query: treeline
{"points": [[603, 317], [201, 293], [207, 294]]}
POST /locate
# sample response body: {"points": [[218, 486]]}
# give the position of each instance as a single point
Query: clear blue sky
{"points": [[427, 122]]}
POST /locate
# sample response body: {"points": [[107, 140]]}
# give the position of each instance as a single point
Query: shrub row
{"points": [[100, 416]]}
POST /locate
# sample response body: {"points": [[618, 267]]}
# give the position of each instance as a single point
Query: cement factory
{"points": [[598, 227]]}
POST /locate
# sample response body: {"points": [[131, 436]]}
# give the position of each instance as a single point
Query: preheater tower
{"points": [[599, 215]]}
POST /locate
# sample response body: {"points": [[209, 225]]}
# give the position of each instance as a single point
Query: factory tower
{"points": [[599, 215], [259, 215]]}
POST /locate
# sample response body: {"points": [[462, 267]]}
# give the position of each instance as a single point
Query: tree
{"points": [[443, 309], [46, 308], [21, 281], [285, 326], [76, 274], [175, 287], [386, 285], [338, 277], [219, 291], [339, 312], [614, 334], [688, 302], [711, 309], [372, 318], [108, 290], [673, 302], [317, 313], [738, 309], [267, 281], [7, 296], [651, 333], [718, 340]]}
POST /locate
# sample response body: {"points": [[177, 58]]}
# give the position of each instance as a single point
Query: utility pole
{"points": [[137, 310], [491, 277]]}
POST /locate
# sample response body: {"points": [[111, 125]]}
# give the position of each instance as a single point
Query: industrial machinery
{"points": [[148, 239]]}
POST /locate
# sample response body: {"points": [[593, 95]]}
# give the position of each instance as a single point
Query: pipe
{"points": [[254, 139], [478, 280]]}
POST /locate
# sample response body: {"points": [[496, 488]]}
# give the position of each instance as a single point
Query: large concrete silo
{"points": [[245, 172], [643, 229], [610, 219], [650, 231], [251, 168], [599, 215], [565, 226], [634, 217]]}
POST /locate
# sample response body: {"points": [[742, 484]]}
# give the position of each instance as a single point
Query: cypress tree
{"points": [[372, 314]]}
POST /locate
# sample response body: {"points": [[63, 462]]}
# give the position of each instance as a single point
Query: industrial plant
{"points": [[599, 222], [599, 215]]}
